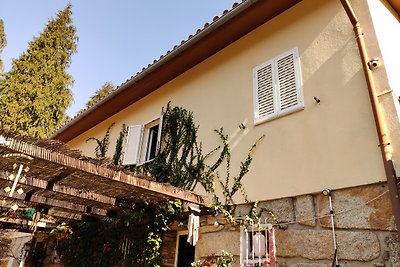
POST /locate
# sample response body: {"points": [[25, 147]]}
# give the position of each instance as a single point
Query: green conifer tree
{"points": [[107, 88], [35, 93], [3, 43]]}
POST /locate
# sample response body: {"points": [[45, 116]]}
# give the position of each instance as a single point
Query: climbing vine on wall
{"points": [[102, 144], [136, 235], [180, 161], [117, 158], [231, 185]]}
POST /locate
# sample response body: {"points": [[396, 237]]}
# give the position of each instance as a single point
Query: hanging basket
{"points": [[62, 232], [62, 236]]}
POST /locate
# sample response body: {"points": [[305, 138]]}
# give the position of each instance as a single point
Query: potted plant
{"points": [[225, 260], [62, 231]]}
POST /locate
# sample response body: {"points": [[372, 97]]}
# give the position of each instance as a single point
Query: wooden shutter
{"points": [[133, 145], [264, 98]]}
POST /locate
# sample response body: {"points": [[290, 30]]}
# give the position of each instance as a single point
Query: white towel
{"points": [[193, 229]]}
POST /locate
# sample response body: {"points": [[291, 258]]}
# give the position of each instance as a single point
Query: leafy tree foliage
{"points": [[3, 43], [132, 240], [107, 88], [94, 242], [35, 93]]}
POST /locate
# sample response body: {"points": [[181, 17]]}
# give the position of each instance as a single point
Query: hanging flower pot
{"points": [[62, 232]]}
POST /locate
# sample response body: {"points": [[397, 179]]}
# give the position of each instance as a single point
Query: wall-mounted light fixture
{"points": [[374, 63]]}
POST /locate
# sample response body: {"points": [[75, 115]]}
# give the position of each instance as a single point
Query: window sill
{"points": [[258, 121]]}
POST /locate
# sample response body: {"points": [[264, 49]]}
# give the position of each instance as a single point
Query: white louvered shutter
{"points": [[159, 134], [133, 145], [264, 98], [288, 88], [277, 87]]}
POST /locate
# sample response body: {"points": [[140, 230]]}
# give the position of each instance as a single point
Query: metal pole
{"points": [[328, 192]]}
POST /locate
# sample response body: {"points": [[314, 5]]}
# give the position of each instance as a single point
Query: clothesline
{"points": [[336, 213]]}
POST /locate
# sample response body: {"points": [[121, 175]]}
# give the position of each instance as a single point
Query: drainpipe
{"points": [[384, 142]]}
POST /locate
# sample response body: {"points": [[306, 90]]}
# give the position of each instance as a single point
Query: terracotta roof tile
{"points": [[207, 24], [248, 18]]}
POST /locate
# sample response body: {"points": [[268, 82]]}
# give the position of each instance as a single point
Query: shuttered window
{"points": [[143, 142], [133, 145], [277, 87]]}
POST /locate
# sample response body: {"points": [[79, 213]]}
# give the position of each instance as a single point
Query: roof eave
{"points": [[395, 4], [223, 31]]}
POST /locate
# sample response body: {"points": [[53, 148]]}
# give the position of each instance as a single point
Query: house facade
{"points": [[304, 74]]}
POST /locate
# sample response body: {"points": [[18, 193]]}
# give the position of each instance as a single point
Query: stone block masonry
{"points": [[365, 229]]}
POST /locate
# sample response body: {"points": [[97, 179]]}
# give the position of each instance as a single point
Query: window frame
{"points": [[276, 88], [138, 144], [145, 140]]}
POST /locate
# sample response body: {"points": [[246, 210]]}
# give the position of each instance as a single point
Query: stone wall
{"points": [[169, 249], [364, 223], [12, 246], [5, 247]]}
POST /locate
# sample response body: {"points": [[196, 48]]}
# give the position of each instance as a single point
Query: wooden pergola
{"points": [[66, 184]]}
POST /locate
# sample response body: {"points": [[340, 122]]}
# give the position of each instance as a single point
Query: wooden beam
{"points": [[58, 178], [78, 208], [49, 202], [52, 211], [124, 179], [85, 195], [64, 214]]}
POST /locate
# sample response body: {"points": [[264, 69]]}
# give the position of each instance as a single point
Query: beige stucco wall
{"points": [[328, 145], [385, 27]]}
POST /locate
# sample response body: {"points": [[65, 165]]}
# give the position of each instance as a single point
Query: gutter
{"points": [[395, 5], [163, 60], [380, 122]]}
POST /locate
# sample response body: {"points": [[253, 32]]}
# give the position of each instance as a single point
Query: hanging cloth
{"points": [[272, 247], [193, 229]]}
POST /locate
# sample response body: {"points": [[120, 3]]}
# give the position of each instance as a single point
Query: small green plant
{"points": [[231, 185], [102, 144], [62, 231], [196, 264], [225, 260], [119, 145]]}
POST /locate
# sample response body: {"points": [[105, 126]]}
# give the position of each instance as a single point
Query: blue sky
{"points": [[117, 38]]}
